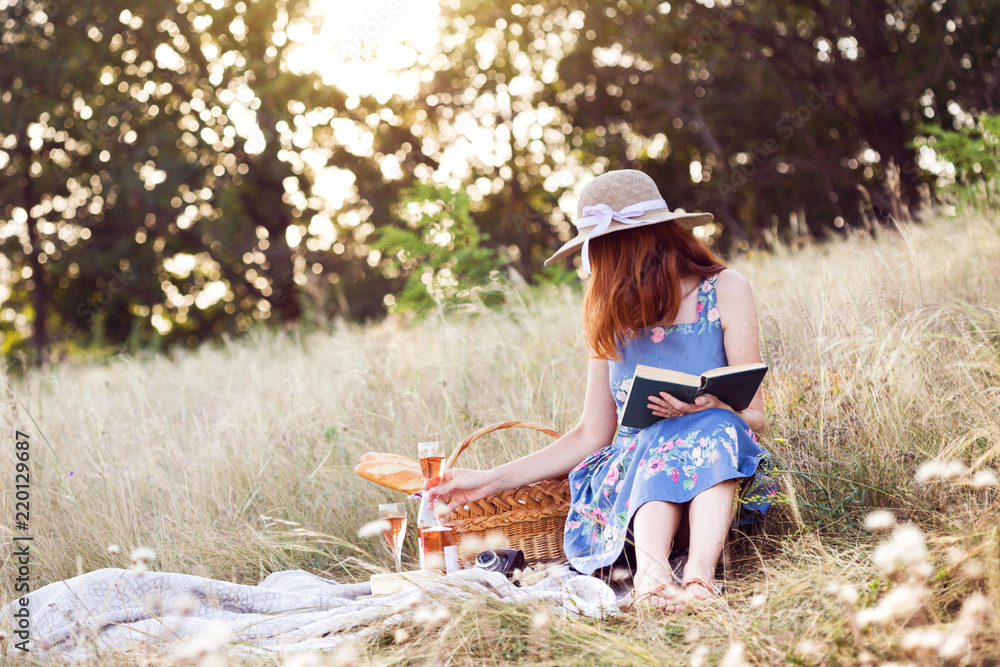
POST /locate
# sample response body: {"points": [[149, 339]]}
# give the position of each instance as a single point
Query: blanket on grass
{"points": [[116, 612]]}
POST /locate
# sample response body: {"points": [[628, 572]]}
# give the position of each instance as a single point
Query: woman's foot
{"points": [[657, 588], [697, 593]]}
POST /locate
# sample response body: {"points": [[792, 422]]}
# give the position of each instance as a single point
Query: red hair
{"points": [[635, 282]]}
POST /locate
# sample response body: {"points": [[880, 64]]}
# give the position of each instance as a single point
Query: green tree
{"points": [[154, 173], [440, 254], [973, 152], [777, 117]]}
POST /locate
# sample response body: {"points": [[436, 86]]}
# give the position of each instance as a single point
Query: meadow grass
{"points": [[236, 460]]}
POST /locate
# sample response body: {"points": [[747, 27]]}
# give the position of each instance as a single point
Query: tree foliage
{"points": [[441, 253], [767, 114], [153, 168], [163, 163]]}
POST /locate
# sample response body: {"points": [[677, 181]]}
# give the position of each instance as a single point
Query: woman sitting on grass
{"points": [[657, 296]]}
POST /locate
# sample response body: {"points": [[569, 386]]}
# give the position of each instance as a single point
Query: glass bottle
{"points": [[432, 536]]}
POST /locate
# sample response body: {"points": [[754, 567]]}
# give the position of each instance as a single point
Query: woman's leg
{"points": [[710, 515], [654, 526]]}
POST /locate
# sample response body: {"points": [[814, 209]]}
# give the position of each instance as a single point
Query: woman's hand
{"points": [[459, 486], [666, 405]]}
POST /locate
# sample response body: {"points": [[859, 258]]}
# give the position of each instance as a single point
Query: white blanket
{"points": [[115, 611]]}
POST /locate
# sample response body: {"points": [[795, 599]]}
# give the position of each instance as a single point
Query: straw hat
{"points": [[619, 200]]}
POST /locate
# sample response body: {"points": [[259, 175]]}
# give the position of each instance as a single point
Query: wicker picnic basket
{"points": [[530, 518]]}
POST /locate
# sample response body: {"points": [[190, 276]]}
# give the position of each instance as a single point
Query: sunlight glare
{"points": [[369, 48]]}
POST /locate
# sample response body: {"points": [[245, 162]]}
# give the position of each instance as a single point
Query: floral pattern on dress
{"points": [[678, 458], [674, 459], [706, 303]]}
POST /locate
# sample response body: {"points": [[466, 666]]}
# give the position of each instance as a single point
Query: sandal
{"points": [[714, 589], [714, 598], [667, 590], [632, 601]]}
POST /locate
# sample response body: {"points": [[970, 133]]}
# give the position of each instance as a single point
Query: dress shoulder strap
{"points": [[707, 300]]}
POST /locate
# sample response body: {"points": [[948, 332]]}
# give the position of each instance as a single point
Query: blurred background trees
{"points": [[174, 171]]}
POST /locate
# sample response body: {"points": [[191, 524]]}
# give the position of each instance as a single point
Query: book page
{"points": [[666, 375], [732, 370]]}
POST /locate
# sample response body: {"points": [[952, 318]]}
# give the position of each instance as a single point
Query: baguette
{"points": [[391, 470]]}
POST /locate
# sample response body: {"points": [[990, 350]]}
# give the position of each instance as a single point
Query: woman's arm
{"points": [[741, 341], [741, 335], [595, 429]]}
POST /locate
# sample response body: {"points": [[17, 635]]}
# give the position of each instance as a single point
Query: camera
{"points": [[504, 561]]}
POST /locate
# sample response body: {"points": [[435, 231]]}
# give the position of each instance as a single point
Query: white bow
{"points": [[601, 215]]}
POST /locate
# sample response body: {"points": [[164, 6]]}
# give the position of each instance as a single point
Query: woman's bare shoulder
{"points": [[729, 282], [737, 309]]}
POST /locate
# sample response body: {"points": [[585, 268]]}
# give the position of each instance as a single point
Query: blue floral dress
{"points": [[674, 459]]}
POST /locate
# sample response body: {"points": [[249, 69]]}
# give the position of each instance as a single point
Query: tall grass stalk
{"points": [[235, 460]]}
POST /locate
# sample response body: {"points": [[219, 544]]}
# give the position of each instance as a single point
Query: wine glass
{"points": [[431, 454], [395, 515]]}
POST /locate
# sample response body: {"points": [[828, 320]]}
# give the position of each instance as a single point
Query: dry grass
{"points": [[885, 354]]}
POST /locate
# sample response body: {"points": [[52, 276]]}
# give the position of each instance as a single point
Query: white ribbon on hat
{"points": [[601, 215]]}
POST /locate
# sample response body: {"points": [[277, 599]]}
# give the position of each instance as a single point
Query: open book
{"points": [[733, 385]]}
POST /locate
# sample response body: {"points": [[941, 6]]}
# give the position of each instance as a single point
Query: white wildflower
{"points": [[212, 641], [923, 639], [143, 555], [401, 636], [844, 592], [540, 620], [984, 479], [406, 604], [533, 578], [114, 549], [810, 649], [529, 576], [699, 657], [735, 656], [422, 616], [973, 569], [880, 520], [139, 569], [758, 601], [473, 544], [955, 645], [373, 528], [184, 604], [495, 540], [692, 635], [347, 655], [431, 618], [906, 550], [934, 471], [901, 602], [975, 613], [434, 561]]}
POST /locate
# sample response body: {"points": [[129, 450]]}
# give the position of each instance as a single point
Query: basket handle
{"points": [[514, 423]]}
